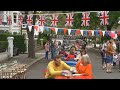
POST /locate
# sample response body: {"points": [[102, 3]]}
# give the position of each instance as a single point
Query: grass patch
{"points": [[36, 57]]}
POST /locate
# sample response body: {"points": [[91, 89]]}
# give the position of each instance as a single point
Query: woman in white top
{"points": [[79, 56]]}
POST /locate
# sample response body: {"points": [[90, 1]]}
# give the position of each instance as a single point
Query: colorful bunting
{"points": [[69, 31], [92, 33], [77, 32], [81, 32], [53, 29], [30, 28], [54, 20], [104, 18], [9, 21], [65, 31], [56, 30], [73, 32], [69, 19], [85, 19], [103, 33], [41, 20], [89, 32], [29, 20], [100, 32], [20, 19], [41, 28]]}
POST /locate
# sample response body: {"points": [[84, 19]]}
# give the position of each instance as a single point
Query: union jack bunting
{"points": [[104, 18], [0, 20], [29, 20], [20, 19], [85, 19], [9, 21], [54, 20], [41, 20], [69, 19]]}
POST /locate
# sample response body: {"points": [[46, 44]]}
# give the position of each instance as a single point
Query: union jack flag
{"points": [[85, 19], [0, 20], [104, 18], [69, 19], [9, 21], [54, 20], [29, 20], [20, 19], [41, 20]]}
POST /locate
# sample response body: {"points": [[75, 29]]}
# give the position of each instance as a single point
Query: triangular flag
{"points": [[41, 28], [53, 29], [30, 28], [81, 32], [77, 31], [56, 30], [46, 28], [112, 31], [92, 32], [65, 30], [69, 31], [36, 28], [103, 33]]}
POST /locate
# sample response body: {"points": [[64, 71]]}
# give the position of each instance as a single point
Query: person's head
{"points": [[57, 60], [83, 52], [71, 52], [85, 60]]}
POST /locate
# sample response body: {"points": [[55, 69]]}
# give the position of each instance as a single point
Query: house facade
{"points": [[14, 27]]}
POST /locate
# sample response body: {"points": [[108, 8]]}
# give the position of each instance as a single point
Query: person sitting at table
{"points": [[56, 68], [84, 66], [82, 52], [73, 48], [62, 52], [70, 56]]}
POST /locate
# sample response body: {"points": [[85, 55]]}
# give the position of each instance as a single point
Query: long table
{"points": [[14, 72]]}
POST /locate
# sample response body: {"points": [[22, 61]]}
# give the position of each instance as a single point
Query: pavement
{"points": [[23, 58]]}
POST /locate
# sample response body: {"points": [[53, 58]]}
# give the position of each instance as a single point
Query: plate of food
{"points": [[77, 74]]}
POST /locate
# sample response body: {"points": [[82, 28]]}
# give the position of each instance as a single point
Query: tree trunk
{"points": [[31, 41]]}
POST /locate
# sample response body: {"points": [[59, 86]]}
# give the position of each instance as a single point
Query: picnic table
{"points": [[16, 71]]}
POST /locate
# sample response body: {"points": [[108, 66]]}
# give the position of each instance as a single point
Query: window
{"points": [[14, 33], [15, 17]]}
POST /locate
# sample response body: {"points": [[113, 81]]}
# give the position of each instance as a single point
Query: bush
{"points": [[19, 42], [3, 37], [3, 46]]}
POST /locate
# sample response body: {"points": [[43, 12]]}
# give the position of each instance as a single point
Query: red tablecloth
{"points": [[74, 77]]}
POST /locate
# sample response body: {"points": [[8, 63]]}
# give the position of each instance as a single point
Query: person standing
{"points": [[52, 48], [46, 50], [109, 56]]}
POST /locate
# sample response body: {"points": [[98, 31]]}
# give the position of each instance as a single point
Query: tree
{"points": [[31, 42]]}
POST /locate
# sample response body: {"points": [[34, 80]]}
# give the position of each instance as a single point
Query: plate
{"points": [[77, 74]]}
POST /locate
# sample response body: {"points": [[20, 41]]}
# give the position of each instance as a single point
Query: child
{"points": [[115, 59], [119, 61]]}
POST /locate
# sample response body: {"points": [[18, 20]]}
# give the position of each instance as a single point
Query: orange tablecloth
{"points": [[74, 77]]}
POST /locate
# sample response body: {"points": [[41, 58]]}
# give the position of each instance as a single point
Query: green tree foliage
{"points": [[95, 21]]}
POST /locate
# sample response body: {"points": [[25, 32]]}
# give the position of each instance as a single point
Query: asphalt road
{"points": [[36, 70]]}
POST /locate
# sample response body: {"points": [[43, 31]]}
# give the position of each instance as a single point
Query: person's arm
{"points": [[88, 71], [66, 67], [77, 66], [53, 72], [67, 58]]}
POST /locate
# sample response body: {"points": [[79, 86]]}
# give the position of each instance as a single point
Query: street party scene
{"points": [[59, 45]]}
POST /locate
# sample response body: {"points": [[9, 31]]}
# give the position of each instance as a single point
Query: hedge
{"points": [[19, 42], [3, 46]]}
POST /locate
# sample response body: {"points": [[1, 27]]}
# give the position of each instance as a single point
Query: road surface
{"points": [[36, 70]]}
